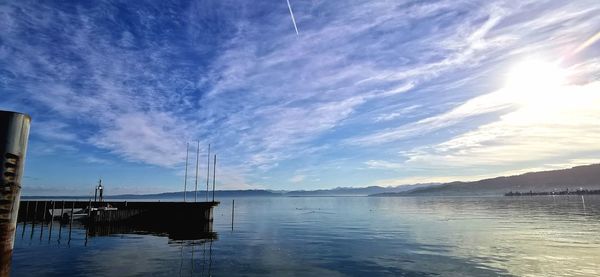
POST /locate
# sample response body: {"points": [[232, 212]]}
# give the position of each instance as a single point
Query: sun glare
{"points": [[535, 75], [534, 81]]}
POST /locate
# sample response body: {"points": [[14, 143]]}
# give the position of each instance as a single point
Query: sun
{"points": [[535, 74], [534, 79]]}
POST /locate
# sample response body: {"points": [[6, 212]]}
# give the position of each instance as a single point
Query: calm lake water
{"points": [[342, 236]]}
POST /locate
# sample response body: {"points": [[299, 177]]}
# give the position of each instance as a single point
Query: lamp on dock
{"points": [[14, 134]]}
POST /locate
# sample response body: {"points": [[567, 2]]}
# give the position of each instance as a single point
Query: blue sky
{"points": [[367, 93]]}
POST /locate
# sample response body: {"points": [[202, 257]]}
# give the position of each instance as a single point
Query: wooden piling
{"points": [[71, 219], [34, 218], [25, 219], [43, 220], [44, 211], [62, 211], [232, 212], [35, 211], [26, 212], [51, 220], [41, 229]]}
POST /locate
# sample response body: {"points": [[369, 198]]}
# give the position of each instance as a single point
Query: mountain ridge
{"points": [[339, 191], [585, 176]]}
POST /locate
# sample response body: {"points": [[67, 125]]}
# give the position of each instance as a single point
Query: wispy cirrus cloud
{"points": [[364, 81]]}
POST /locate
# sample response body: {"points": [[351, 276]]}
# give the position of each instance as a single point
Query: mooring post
{"points": [[51, 220], [35, 212], [232, 212], [25, 219], [62, 212], [34, 218], [71, 219], [43, 220], [44, 216], [14, 135], [26, 211]]}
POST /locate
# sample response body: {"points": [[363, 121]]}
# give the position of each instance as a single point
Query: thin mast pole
{"points": [[207, 172], [197, 154], [187, 153], [214, 176]]}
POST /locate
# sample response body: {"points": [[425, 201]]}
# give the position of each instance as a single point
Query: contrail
{"points": [[584, 45], [292, 15]]}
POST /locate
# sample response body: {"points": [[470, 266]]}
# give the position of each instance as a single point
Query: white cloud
{"points": [[547, 132], [297, 178], [394, 115], [53, 130], [560, 123]]}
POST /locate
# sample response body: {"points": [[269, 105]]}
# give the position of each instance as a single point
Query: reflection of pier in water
{"points": [[193, 241], [63, 231], [175, 232]]}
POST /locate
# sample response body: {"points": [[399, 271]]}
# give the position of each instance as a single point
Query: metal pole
{"points": [[14, 135], [187, 153], [214, 176], [207, 171], [196, 185]]}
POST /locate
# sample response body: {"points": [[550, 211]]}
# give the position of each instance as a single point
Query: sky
{"points": [[317, 94]]}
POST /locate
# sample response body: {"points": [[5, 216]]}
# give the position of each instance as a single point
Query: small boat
{"points": [[56, 213], [106, 208], [78, 214]]}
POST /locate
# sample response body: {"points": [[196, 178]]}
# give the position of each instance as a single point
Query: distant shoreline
{"points": [[563, 192]]}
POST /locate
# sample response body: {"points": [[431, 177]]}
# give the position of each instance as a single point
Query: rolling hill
{"points": [[587, 177]]}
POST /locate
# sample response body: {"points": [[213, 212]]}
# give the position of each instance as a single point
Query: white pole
{"points": [[187, 151], [197, 155]]}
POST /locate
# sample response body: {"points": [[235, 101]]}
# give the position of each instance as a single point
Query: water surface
{"points": [[340, 236]]}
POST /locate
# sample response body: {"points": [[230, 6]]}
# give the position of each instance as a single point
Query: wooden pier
{"points": [[188, 213]]}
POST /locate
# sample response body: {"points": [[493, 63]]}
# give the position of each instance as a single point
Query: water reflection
{"points": [[110, 243], [192, 233], [199, 232]]}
